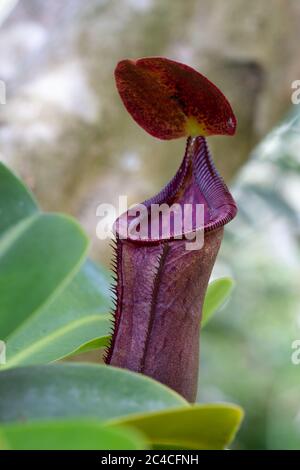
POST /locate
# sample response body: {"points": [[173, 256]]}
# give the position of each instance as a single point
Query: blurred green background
{"points": [[65, 132]]}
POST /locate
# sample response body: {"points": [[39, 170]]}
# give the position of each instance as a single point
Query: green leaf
{"points": [[49, 307], [218, 291], [68, 435], [98, 343], [211, 426], [16, 202], [74, 390], [72, 321], [35, 264]]}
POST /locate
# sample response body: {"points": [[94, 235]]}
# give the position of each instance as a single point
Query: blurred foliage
{"points": [[246, 351]]}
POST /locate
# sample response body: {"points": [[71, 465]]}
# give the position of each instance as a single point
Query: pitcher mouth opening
{"points": [[196, 199]]}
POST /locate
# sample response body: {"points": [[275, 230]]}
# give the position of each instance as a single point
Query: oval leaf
{"points": [[16, 202], [35, 264], [73, 390], [217, 293], [97, 343], [68, 435], [56, 309], [72, 320], [211, 426]]}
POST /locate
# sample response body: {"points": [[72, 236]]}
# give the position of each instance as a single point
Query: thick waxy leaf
{"points": [[217, 293], [199, 427], [98, 343], [74, 390], [35, 265], [170, 100], [16, 203], [68, 435], [47, 308], [70, 322]]}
